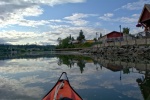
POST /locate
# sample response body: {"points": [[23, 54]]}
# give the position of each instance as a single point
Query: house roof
{"points": [[146, 6], [114, 32], [110, 33]]}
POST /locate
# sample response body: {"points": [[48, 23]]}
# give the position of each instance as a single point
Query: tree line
{"points": [[71, 42], [6, 48]]}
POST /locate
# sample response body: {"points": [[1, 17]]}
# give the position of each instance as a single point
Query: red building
{"points": [[144, 20], [114, 36]]}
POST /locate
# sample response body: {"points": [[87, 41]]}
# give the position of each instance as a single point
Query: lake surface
{"points": [[94, 78]]}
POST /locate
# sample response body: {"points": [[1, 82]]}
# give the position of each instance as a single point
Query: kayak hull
{"points": [[62, 90]]}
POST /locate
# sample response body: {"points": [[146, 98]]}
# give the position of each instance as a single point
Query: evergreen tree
{"points": [[59, 41], [81, 36], [100, 35]]}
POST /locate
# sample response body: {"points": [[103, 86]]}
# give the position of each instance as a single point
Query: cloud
{"points": [[136, 30], [125, 21], [55, 28], [134, 5], [17, 17], [16, 37], [36, 2], [77, 19], [32, 23], [131, 19], [106, 16], [14, 12], [76, 16], [56, 2], [49, 37]]}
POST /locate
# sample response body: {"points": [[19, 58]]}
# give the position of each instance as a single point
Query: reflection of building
{"points": [[144, 20], [113, 67], [144, 85]]}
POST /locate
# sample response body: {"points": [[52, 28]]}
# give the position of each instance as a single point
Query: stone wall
{"points": [[138, 47], [124, 43]]}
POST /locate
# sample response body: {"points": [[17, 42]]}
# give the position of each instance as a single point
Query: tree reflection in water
{"points": [[144, 84], [70, 60], [124, 66]]}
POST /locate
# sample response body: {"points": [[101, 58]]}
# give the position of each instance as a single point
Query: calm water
{"points": [[30, 78]]}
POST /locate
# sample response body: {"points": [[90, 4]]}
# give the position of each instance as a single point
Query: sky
{"points": [[42, 22]]}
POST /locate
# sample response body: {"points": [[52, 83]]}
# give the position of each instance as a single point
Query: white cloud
{"points": [[45, 2], [127, 19], [14, 37], [55, 2], [136, 30], [13, 12], [89, 32], [32, 11], [49, 37], [78, 22], [107, 16], [77, 19], [17, 17], [135, 5], [76, 16], [58, 26], [136, 15], [131, 19], [32, 23]]}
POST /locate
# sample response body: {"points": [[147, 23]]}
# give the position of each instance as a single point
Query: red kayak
{"points": [[62, 90]]}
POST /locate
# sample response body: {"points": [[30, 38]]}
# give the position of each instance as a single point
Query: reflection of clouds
{"points": [[15, 87], [78, 82], [125, 81], [133, 94], [19, 84], [46, 71], [32, 79], [129, 80], [108, 85], [2, 62], [28, 65]]}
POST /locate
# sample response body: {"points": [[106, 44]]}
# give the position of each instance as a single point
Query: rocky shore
{"points": [[134, 50]]}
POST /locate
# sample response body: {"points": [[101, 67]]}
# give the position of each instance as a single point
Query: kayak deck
{"points": [[62, 90]]}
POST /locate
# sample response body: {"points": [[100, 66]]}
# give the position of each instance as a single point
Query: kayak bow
{"points": [[62, 90]]}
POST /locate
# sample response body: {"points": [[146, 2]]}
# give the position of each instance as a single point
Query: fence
{"points": [[144, 41]]}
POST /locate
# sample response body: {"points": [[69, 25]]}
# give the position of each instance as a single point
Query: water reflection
{"points": [[144, 84], [123, 67], [70, 60], [94, 78]]}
